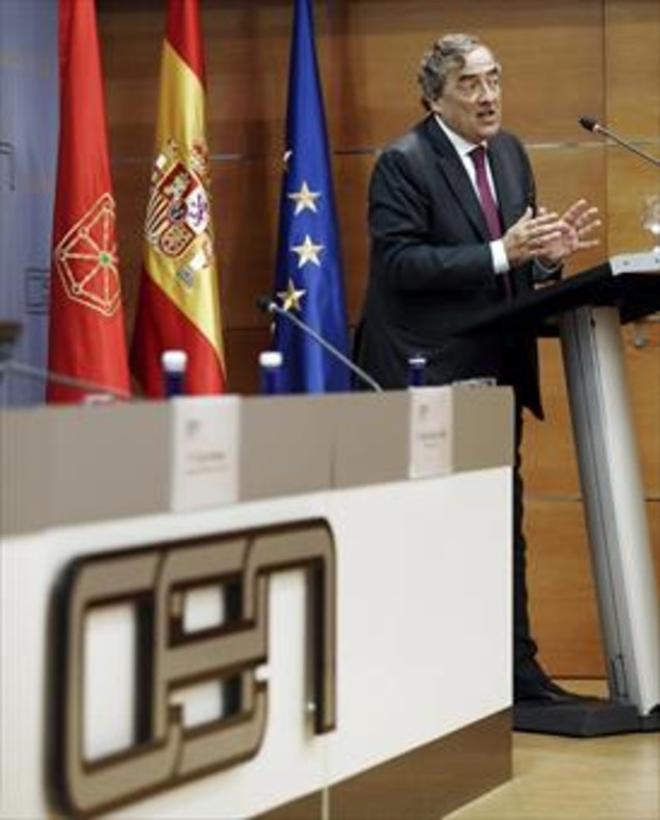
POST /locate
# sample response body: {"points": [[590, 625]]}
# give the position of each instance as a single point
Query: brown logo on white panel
{"points": [[155, 580]]}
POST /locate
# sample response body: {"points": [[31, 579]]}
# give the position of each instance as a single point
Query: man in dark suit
{"points": [[455, 228]]}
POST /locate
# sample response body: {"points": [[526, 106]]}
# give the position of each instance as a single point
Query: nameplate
{"points": [[204, 440], [429, 431]]}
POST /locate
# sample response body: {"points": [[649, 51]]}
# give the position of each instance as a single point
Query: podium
{"points": [[586, 312]]}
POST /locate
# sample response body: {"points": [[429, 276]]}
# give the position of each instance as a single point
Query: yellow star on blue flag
{"points": [[308, 252], [291, 297], [304, 198]]}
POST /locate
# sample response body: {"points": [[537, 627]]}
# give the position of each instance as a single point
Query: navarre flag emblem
{"points": [[86, 260], [86, 333]]}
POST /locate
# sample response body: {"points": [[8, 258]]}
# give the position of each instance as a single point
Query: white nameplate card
{"points": [[205, 432], [430, 433]]}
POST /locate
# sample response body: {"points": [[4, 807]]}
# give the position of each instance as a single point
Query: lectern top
{"points": [[646, 263], [633, 288]]}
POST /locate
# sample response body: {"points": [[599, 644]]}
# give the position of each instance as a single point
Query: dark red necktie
{"points": [[488, 205]]}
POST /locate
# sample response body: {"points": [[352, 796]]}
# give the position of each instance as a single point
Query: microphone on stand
{"points": [[590, 124], [267, 305]]}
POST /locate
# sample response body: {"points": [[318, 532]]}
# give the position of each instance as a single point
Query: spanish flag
{"points": [[86, 335], [179, 305]]}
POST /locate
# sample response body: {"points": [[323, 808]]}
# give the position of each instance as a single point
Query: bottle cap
{"points": [[270, 358], [174, 361]]}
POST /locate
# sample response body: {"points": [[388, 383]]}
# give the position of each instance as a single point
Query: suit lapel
{"points": [[456, 176], [512, 201], [506, 181]]}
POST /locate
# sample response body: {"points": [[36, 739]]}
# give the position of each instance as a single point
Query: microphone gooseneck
{"points": [[28, 371], [268, 305], [590, 124]]}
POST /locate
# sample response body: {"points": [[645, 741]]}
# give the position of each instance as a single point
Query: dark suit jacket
{"points": [[431, 265]]}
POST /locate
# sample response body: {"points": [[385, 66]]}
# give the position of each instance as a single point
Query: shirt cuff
{"points": [[542, 273], [498, 254]]}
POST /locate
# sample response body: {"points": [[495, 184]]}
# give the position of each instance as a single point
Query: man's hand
{"points": [[532, 236], [576, 225]]}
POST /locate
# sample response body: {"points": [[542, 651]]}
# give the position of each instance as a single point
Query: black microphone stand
{"points": [[590, 124], [266, 304], [11, 367], [9, 332]]}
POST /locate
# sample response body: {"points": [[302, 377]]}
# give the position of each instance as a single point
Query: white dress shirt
{"points": [[463, 148]]}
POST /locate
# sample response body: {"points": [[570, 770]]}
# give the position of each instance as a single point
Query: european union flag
{"points": [[309, 279]]}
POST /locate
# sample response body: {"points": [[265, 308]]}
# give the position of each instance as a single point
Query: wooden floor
{"points": [[610, 778]]}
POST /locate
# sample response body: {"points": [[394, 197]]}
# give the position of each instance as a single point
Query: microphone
{"points": [[590, 124], [267, 305]]}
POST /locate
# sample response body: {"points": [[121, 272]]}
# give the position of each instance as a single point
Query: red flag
{"points": [[86, 336], [179, 305]]}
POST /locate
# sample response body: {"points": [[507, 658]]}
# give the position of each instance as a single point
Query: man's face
{"points": [[471, 101]]}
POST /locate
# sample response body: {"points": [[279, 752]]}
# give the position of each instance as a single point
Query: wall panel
{"points": [[632, 67], [565, 173], [563, 605], [244, 345], [549, 464], [629, 181], [632, 38], [643, 367]]}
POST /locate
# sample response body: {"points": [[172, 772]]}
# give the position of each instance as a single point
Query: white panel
{"points": [[203, 608], [109, 672], [423, 636], [201, 703], [424, 615]]}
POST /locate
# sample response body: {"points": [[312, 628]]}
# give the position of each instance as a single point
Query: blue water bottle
{"points": [[173, 363], [417, 370], [270, 367]]}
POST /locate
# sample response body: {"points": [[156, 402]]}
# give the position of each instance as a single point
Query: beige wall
{"points": [[561, 60]]}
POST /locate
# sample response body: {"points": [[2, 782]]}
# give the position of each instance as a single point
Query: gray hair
{"points": [[445, 54]]}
